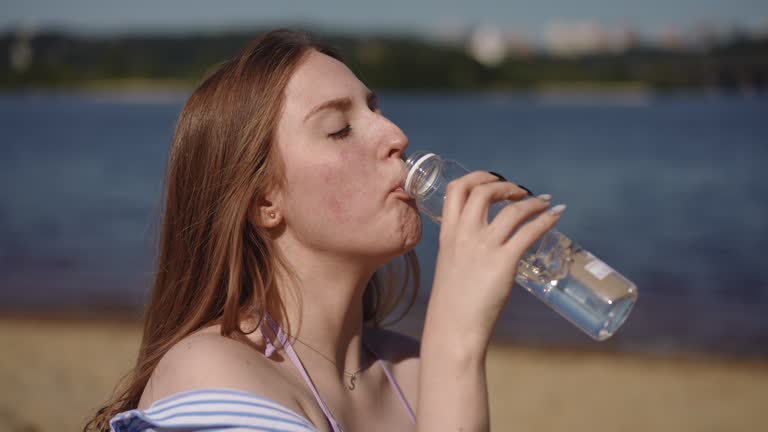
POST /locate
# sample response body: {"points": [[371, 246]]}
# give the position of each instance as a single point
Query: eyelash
{"points": [[344, 133]]}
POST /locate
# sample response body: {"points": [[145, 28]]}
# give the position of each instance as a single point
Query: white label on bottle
{"points": [[599, 269]]}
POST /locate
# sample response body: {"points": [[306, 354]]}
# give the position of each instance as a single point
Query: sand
{"points": [[55, 372]]}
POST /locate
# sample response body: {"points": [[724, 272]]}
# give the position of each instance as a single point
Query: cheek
{"points": [[343, 192], [337, 209]]}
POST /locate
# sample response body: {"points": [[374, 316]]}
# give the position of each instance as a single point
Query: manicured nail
{"points": [[499, 176], [556, 210], [545, 197]]}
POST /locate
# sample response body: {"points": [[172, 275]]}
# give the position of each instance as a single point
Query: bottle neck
{"points": [[421, 172]]}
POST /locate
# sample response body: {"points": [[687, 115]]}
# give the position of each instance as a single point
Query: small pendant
{"points": [[352, 382]]}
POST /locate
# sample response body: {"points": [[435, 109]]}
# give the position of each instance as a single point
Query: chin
{"points": [[400, 239], [399, 245]]}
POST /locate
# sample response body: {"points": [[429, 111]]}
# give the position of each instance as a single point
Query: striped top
{"points": [[212, 410]]}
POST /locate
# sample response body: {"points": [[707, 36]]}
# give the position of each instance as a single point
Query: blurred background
{"points": [[648, 119]]}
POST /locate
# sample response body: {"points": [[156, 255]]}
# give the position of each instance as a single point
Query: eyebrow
{"points": [[341, 104]]}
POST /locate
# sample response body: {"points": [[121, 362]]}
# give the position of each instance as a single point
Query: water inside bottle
{"points": [[578, 285]]}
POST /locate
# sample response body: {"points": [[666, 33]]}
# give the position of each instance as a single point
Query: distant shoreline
{"points": [[186, 84], [61, 59], [185, 87]]}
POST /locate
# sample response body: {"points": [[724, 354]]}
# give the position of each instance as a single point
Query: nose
{"points": [[395, 140]]}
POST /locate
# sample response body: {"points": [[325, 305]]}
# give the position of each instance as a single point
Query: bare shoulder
{"points": [[207, 359]]}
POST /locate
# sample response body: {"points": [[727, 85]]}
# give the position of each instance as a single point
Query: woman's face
{"points": [[342, 159]]}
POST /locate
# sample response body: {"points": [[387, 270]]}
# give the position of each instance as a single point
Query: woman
{"points": [[284, 215]]}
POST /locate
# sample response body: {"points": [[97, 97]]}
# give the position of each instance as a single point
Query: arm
{"points": [[476, 268], [453, 393]]}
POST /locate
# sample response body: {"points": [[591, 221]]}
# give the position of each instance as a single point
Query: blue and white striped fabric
{"points": [[212, 410]]}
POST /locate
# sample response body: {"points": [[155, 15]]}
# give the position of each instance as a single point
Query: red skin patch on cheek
{"points": [[333, 190], [337, 209], [345, 187]]}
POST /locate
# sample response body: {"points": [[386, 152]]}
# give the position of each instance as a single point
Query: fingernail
{"points": [[556, 210], [545, 197], [499, 176]]}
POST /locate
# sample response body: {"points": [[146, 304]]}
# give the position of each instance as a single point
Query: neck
{"points": [[323, 301]]}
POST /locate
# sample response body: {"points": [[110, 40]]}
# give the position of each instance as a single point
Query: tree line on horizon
{"points": [[57, 59]]}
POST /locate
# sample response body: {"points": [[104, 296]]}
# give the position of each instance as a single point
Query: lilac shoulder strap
{"points": [[286, 344], [392, 381]]}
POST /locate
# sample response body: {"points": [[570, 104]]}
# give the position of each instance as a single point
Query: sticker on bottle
{"points": [[598, 269]]}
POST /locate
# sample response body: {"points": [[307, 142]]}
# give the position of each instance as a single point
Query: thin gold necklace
{"points": [[352, 375]]}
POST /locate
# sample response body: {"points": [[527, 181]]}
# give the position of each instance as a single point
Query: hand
{"points": [[477, 261]]}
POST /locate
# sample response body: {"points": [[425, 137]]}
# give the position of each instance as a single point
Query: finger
{"points": [[482, 196], [456, 193], [514, 215], [532, 231]]}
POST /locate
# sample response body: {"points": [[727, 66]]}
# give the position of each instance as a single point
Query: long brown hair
{"points": [[214, 266]]}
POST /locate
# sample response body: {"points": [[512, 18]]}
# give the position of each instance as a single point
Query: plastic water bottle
{"points": [[579, 286]]}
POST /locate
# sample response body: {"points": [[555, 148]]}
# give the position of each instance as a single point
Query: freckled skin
{"points": [[338, 191]]}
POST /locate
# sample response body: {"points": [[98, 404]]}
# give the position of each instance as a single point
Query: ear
{"points": [[265, 212]]}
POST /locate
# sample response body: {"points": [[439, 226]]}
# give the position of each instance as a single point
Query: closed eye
{"points": [[373, 104], [342, 134]]}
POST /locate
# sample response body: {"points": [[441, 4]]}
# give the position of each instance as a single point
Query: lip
{"points": [[401, 193], [399, 190]]}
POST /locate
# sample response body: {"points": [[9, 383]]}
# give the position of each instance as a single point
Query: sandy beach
{"points": [[55, 372]]}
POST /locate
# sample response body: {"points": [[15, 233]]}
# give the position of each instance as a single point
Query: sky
{"points": [[411, 16]]}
